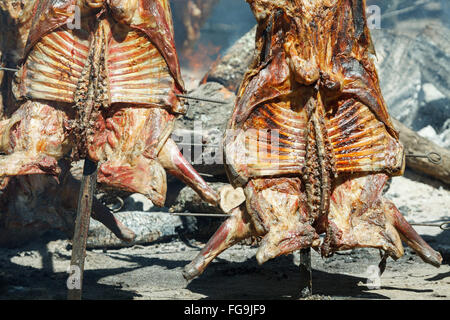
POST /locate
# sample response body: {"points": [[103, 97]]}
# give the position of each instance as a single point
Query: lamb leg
{"points": [[410, 236], [233, 230], [100, 212], [360, 217], [128, 164], [173, 161], [279, 213]]}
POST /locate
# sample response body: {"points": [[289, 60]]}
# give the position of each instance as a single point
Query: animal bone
{"points": [[231, 198]]}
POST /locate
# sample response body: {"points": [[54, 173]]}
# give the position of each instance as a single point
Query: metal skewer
{"points": [[404, 10], [443, 226], [216, 146], [9, 69], [433, 157], [86, 196], [212, 215], [200, 99]]}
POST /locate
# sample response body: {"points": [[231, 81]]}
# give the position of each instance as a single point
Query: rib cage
{"points": [[361, 142], [54, 67], [284, 156], [136, 71]]}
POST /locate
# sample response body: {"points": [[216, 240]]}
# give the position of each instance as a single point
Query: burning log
{"points": [[231, 68], [148, 228], [314, 83], [421, 150]]}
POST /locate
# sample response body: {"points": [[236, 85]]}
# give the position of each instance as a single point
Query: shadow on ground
{"points": [[27, 282], [278, 279], [140, 273]]}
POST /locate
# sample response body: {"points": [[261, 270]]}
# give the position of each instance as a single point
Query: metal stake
{"points": [[88, 184], [305, 273]]}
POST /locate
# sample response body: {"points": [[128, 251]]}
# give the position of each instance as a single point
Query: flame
{"points": [[197, 61]]}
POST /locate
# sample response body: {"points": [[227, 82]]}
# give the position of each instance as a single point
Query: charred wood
{"points": [[416, 145]]}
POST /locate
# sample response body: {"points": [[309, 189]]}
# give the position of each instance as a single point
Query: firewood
{"points": [[416, 145]]}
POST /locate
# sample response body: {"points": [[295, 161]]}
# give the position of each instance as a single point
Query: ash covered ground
{"points": [[39, 269]]}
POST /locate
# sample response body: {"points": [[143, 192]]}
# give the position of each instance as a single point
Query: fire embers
{"points": [[105, 89], [314, 84]]}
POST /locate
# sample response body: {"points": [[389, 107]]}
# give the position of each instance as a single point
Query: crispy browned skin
{"points": [[104, 90], [314, 83]]}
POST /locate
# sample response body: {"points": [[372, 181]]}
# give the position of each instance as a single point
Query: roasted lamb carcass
{"points": [[101, 85], [310, 140]]}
